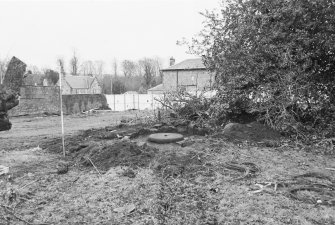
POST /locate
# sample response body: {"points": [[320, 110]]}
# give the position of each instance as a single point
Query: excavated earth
{"points": [[112, 175]]}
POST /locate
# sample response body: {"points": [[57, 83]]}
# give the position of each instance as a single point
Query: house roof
{"points": [[78, 81], [188, 64], [157, 88], [131, 92]]}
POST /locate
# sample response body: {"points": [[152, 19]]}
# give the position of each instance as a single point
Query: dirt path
{"points": [[51, 125], [27, 132]]}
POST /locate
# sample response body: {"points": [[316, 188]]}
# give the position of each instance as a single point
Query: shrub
{"points": [[274, 60]]}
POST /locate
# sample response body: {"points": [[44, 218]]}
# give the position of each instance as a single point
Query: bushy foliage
{"points": [[189, 106], [51, 75], [118, 86], [123, 84], [274, 59]]}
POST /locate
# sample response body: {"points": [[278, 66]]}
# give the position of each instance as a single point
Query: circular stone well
{"points": [[163, 138]]}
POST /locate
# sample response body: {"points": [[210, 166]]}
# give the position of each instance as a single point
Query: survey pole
{"points": [[61, 109]]}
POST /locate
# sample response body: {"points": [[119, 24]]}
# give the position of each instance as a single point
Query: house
{"points": [[189, 75], [159, 89], [77, 84]]}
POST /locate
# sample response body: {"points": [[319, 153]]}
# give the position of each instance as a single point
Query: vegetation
{"points": [[274, 60], [3, 67], [136, 76], [51, 75]]}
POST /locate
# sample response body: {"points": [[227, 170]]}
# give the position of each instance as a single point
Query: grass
{"points": [[190, 185]]}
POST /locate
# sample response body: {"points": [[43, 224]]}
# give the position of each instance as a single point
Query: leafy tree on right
{"points": [[273, 59]]}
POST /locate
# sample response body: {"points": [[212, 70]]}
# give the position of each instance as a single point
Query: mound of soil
{"points": [[254, 132], [99, 134], [119, 131], [74, 143], [103, 148], [120, 153], [105, 155]]}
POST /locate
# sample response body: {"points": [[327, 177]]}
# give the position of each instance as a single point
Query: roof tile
{"points": [[79, 82]]}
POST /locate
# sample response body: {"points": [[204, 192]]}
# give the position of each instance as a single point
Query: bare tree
{"points": [[99, 68], [74, 64], [88, 68], [115, 67], [129, 68], [139, 71], [34, 69], [149, 71], [60, 62], [99, 71], [3, 67], [159, 63], [115, 71]]}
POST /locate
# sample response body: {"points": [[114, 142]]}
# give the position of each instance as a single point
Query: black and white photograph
{"points": [[167, 112]]}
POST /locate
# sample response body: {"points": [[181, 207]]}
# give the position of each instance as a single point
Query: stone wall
{"points": [[37, 100], [45, 100], [79, 103]]}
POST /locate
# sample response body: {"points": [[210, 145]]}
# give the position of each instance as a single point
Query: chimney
{"points": [[172, 61]]}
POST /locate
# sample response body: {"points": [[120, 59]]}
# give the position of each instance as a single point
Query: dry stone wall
{"points": [[79, 103], [36, 100]]}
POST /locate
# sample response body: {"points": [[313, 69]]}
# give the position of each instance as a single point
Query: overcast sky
{"points": [[38, 32]]}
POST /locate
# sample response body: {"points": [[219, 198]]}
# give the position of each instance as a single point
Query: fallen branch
{"points": [[261, 187], [328, 197], [246, 174], [242, 167], [160, 101], [75, 180], [247, 168], [315, 175], [28, 184], [329, 140], [5, 206], [94, 166], [10, 211]]}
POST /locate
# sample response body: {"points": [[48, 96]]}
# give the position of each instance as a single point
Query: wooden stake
{"points": [[61, 110], [94, 166]]}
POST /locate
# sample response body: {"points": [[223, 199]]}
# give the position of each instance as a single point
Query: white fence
{"points": [[133, 101]]}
